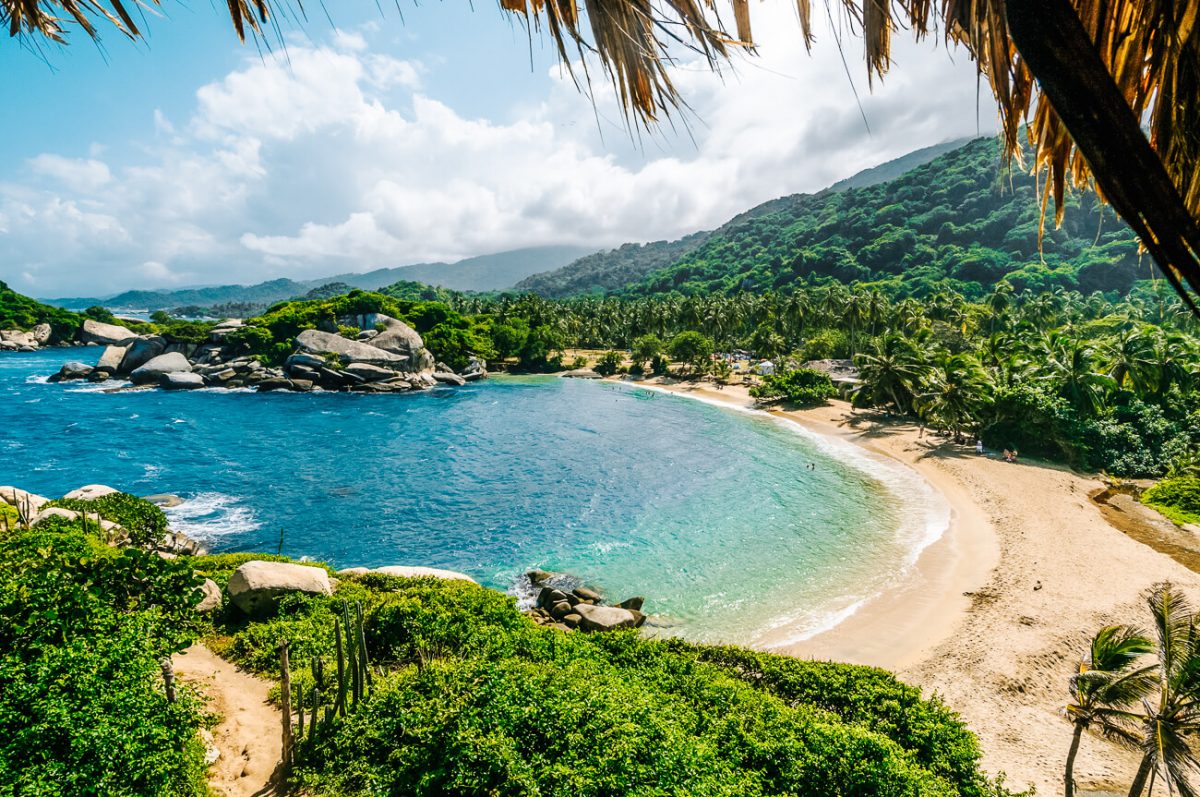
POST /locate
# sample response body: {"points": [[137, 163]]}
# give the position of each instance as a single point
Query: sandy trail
{"points": [[998, 613], [249, 735]]}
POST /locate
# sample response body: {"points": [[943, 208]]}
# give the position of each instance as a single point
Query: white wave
{"points": [[43, 379], [205, 516]]}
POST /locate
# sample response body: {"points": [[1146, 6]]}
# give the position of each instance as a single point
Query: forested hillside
{"points": [[962, 222], [615, 269]]}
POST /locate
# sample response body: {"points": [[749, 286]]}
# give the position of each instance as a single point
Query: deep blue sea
{"points": [[712, 514]]}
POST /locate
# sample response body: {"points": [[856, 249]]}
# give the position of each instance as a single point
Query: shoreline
{"points": [[895, 627], [997, 613]]}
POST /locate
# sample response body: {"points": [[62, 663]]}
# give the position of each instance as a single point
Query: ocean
{"points": [[734, 526]]}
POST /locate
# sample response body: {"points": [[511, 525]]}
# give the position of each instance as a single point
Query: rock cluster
{"points": [[386, 356], [32, 509], [16, 340], [580, 608]]}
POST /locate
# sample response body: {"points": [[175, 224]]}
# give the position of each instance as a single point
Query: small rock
{"points": [[181, 381], [585, 594], [604, 618], [257, 586], [447, 378], [155, 368], [97, 332], [560, 610], [415, 572], [572, 620], [165, 500], [632, 604], [212, 597], [90, 492], [71, 370]]}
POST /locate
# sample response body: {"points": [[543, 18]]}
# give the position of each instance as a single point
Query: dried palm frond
{"points": [[1089, 71]]}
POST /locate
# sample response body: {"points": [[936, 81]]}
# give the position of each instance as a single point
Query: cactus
{"points": [[340, 706]]}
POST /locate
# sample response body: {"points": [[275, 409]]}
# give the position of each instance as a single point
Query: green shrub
{"points": [[804, 387], [145, 522], [1177, 498], [609, 363], [83, 628]]}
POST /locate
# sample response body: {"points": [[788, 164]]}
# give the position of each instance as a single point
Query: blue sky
{"points": [[193, 159]]}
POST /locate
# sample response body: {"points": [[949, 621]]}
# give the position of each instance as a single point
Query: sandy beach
{"points": [[998, 612]]}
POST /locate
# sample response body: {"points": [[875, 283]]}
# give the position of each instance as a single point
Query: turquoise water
{"points": [[713, 515]]}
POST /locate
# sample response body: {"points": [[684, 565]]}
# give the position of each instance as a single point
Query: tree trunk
{"points": [[1069, 775], [1060, 53], [1139, 780]]}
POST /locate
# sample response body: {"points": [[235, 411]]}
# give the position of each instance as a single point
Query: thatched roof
{"points": [[1079, 75]]}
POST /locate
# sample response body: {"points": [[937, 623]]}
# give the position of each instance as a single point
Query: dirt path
{"points": [[249, 734]]}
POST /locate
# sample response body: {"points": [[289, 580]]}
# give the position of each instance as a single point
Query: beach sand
{"points": [[999, 611]]}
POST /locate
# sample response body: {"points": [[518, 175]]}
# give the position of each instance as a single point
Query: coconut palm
{"points": [[1106, 689], [892, 372], [955, 392], [1172, 712]]}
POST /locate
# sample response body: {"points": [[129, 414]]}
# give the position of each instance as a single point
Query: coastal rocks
{"points": [[90, 492], [256, 586], [181, 380], [153, 370], [71, 370], [315, 341], [448, 378], [353, 571], [581, 373], [367, 372], [42, 334], [98, 332], [111, 359], [476, 369], [398, 338], [561, 602], [25, 502], [18, 338], [141, 351], [606, 618], [404, 571], [164, 500], [212, 597], [304, 360]]}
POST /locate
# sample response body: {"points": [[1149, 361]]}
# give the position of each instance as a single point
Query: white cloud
{"points": [[335, 158]]}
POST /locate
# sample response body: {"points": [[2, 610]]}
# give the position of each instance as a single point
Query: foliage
{"points": [[145, 522], [481, 701], [21, 312], [83, 628], [609, 363], [804, 387], [961, 222], [693, 349], [1177, 498]]}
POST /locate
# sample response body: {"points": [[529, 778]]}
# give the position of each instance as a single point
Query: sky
{"points": [[364, 141]]}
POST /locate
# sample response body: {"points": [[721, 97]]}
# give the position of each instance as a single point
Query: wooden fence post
{"points": [[285, 699]]}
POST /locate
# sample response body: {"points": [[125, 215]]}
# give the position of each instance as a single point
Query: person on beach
{"points": [[979, 447], [1007, 455]]}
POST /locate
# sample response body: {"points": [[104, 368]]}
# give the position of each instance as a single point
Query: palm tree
{"points": [[1172, 713], [955, 392], [1105, 688], [894, 370]]}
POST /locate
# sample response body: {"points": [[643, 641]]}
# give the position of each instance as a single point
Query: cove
{"points": [[714, 516]]}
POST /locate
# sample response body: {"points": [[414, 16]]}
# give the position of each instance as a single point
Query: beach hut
{"points": [[766, 367]]}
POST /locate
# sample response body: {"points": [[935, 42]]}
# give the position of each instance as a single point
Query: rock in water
{"points": [[171, 363], [256, 587], [71, 370], [581, 373], [180, 380], [212, 597], [141, 351], [415, 572], [111, 358], [315, 341], [447, 378], [632, 604], [97, 332], [42, 333], [369, 373], [604, 618]]}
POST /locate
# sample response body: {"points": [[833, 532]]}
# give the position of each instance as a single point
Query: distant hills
{"points": [[613, 270], [483, 273]]}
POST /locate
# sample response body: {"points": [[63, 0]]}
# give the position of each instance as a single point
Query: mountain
{"points": [[494, 272], [483, 273], [963, 221], [612, 270]]}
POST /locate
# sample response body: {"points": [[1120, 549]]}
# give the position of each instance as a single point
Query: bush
{"points": [[1177, 498], [492, 704], [145, 522], [609, 363], [804, 387], [83, 628]]}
